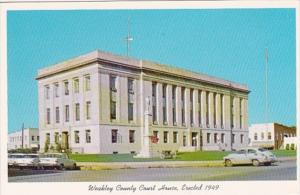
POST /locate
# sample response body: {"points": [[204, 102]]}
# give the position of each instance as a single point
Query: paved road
{"points": [[280, 171]]}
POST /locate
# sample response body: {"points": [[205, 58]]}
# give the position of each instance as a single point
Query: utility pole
{"points": [[266, 88], [129, 38]]}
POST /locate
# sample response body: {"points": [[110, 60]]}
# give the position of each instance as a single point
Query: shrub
{"points": [[292, 146], [58, 147], [46, 147]]}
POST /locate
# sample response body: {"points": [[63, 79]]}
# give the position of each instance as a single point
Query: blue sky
{"points": [[226, 43]]}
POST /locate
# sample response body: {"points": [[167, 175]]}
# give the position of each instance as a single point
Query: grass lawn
{"points": [[182, 156]]}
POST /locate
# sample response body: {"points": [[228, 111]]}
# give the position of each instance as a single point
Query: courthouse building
{"points": [[105, 103]]}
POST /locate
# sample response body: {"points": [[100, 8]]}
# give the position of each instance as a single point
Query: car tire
{"points": [[74, 166], [255, 163], [62, 167], [228, 163]]}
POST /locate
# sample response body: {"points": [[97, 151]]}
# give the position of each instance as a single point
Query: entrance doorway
{"points": [[65, 140]]}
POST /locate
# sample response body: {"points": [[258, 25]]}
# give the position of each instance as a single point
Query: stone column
{"points": [[204, 108], [211, 109], [196, 108], [169, 105], [159, 104], [218, 110], [178, 106]]}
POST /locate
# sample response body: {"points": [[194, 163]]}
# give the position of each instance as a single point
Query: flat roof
{"points": [[105, 57]]}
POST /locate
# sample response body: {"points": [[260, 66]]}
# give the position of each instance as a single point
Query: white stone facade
{"points": [[117, 86], [30, 139]]}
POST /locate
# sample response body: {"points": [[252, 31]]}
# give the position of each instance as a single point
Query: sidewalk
{"points": [[156, 164]]}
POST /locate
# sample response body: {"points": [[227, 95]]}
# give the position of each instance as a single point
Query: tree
{"points": [[46, 148]]}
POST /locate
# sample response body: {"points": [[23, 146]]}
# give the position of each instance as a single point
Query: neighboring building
{"points": [[98, 103], [30, 139], [270, 135]]}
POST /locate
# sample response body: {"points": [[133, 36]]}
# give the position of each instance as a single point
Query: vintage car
{"points": [[252, 155], [57, 161], [23, 161]]}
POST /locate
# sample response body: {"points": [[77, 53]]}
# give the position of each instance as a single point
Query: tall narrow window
{"points": [[199, 108], [66, 86], [113, 91], [215, 138], [154, 109], [57, 114], [76, 137], [67, 113], [130, 98], [191, 107], [215, 109], [184, 140], [232, 138], [241, 113], [48, 116], [255, 136], [166, 136], [56, 89], [174, 104], [232, 111], [88, 136], [222, 110], [76, 85], [114, 136], [87, 82], [242, 138], [175, 137], [47, 91], [194, 139], [207, 109], [222, 138], [183, 105], [77, 112], [269, 136], [131, 136], [88, 110], [208, 138], [164, 92]]}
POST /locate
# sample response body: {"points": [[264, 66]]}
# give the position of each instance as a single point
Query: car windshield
{"points": [[16, 156], [30, 156], [262, 149]]}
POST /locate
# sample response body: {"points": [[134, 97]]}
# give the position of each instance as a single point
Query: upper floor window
{"points": [[183, 105], [154, 109], [48, 119], [174, 103], [76, 85], [241, 113], [222, 110], [88, 110], [130, 86], [67, 113], [57, 114], [113, 83], [269, 136], [47, 91], [87, 82], [77, 111], [56, 89], [164, 91], [191, 107], [66, 86], [255, 136]]}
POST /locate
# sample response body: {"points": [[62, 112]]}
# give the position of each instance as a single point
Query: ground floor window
{"points": [[208, 138], [166, 136], [114, 136], [222, 138], [175, 135], [184, 140], [242, 138], [76, 137], [232, 138], [194, 139], [131, 136], [215, 138], [88, 136]]}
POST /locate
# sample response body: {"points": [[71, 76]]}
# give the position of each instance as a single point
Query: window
{"points": [[232, 111], [32, 138], [88, 110], [222, 110], [262, 135], [207, 109], [47, 91], [194, 139], [215, 109], [56, 137], [77, 112], [164, 92], [56, 89], [76, 85], [114, 136], [255, 136], [113, 103], [66, 84], [48, 116], [67, 113], [130, 111], [130, 86], [208, 138], [87, 82], [222, 138], [269, 136], [232, 138], [215, 137], [199, 107], [166, 136], [242, 138], [184, 140], [155, 134], [154, 110], [183, 105], [57, 114], [175, 137], [48, 137], [174, 104], [191, 107], [37, 138], [76, 136], [88, 136], [131, 136]]}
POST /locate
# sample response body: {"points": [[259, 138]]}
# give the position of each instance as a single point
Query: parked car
{"points": [[57, 161], [252, 155], [23, 161]]}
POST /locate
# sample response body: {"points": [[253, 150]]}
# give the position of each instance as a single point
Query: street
{"points": [[278, 171]]}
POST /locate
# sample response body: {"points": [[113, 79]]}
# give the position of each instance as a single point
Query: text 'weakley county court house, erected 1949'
{"points": [[104, 103]]}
